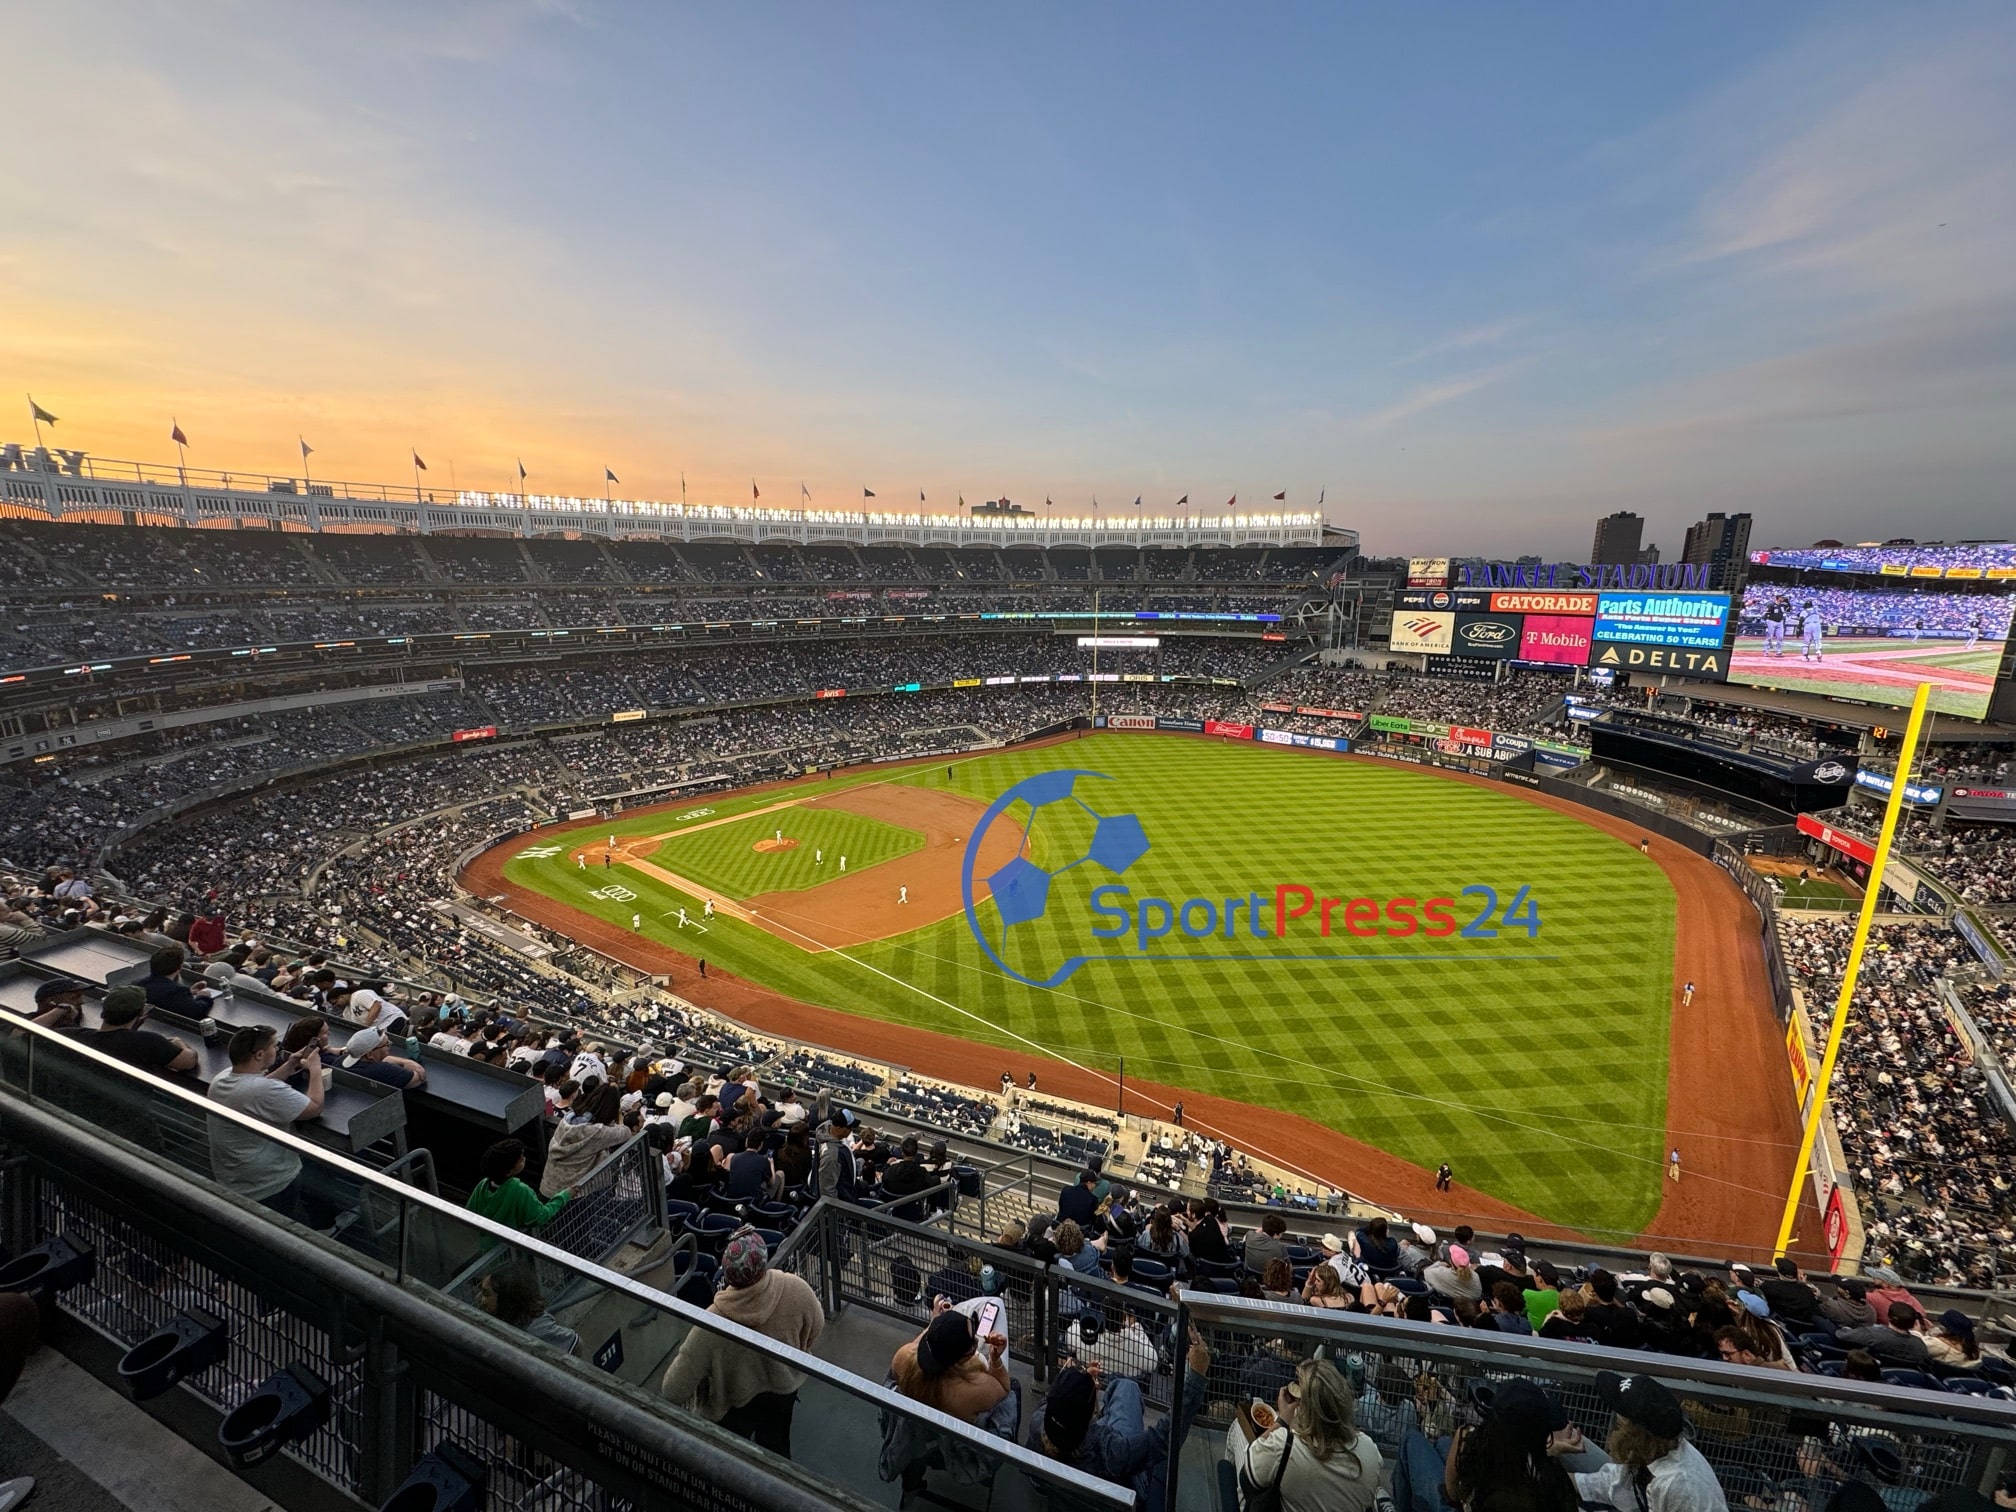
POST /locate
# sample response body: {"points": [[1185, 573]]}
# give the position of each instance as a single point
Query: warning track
{"points": [[1729, 1096]]}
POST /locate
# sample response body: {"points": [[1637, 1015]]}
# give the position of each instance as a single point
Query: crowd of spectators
{"points": [[1911, 615], [1976, 860], [1933, 1156], [1525, 701]]}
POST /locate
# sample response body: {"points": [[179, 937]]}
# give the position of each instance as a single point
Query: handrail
{"points": [[513, 1362], [1400, 1335], [501, 1236]]}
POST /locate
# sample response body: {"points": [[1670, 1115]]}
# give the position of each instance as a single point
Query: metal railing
{"points": [[591, 1336], [1766, 1433]]}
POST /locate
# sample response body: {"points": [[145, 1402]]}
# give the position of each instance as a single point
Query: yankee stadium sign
{"points": [[1584, 575]]}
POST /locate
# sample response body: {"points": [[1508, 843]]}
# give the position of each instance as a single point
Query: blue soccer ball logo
{"points": [[1022, 889]]}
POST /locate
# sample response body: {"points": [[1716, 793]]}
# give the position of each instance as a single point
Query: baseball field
{"points": [[1876, 669], [1520, 1034]]}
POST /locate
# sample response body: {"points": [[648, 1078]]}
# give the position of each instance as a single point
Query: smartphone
{"points": [[988, 1319]]}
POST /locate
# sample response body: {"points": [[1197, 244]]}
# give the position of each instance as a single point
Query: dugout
{"points": [[1780, 783]]}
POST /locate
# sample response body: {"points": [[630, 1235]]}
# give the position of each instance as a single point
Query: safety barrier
{"points": [[436, 1325]]}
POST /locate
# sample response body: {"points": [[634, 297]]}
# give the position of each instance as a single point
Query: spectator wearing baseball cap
{"points": [[1417, 1249], [747, 1393], [944, 1367], [1952, 1340], [1653, 1465], [59, 1003], [1096, 1425], [1791, 1295], [369, 1055], [1508, 1454], [1455, 1278], [121, 1037]]}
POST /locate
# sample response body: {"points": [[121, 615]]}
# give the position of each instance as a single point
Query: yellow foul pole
{"points": [[1891, 813]]}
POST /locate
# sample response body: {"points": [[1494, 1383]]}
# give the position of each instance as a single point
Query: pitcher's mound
{"points": [[773, 845]]}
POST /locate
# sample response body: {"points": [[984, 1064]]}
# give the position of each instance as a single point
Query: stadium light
{"points": [[1891, 813]]}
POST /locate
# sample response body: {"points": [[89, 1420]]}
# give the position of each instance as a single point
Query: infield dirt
{"points": [[1729, 1098]]}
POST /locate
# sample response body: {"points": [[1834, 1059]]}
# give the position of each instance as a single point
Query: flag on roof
{"points": [[416, 460], [867, 493], [307, 451], [521, 470], [755, 492], [1184, 500], [38, 414], [1231, 501], [608, 475], [1282, 495], [175, 433]]}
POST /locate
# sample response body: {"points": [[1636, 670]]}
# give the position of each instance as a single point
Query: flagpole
{"points": [[306, 477], [35, 419], [181, 453], [416, 473]]}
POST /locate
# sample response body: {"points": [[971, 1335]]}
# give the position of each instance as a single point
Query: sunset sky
{"points": [[1483, 272]]}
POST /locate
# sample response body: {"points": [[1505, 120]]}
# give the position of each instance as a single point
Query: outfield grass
{"points": [[1535, 1065], [725, 857]]}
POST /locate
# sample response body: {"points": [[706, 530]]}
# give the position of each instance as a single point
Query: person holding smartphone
{"points": [[256, 1085], [945, 1367]]}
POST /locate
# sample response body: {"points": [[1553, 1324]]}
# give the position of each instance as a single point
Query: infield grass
{"points": [[1535, 1064], [724, 856]]}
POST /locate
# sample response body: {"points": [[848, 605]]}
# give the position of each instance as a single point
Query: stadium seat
{"points": [[1963, 1385], [1148, 1270], [1918, 1378], [680, 1214], [1215, 1268], [781, 1216], [712, 1229]]}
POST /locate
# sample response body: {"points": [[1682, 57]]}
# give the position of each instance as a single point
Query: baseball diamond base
{"points": [[1728, 1105]]}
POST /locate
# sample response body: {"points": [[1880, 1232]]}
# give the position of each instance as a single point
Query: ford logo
{"points": [[1487, 634], [1830, 771]]}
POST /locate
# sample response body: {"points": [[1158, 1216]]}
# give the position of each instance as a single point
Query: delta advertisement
{"points": [[1680, 633]]}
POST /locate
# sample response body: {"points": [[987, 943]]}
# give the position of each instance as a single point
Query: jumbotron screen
{"points": [[1872, 644]]}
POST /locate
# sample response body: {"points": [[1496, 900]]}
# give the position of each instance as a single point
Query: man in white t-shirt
{"points": [[449, 1037], [256, 1085], [790, 1112], [368, 1007]]}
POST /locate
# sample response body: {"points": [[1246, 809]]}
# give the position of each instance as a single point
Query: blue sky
{"points": [[1481, 274]]}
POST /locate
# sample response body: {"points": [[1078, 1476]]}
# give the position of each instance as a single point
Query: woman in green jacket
{"points": [[503, 1197]]}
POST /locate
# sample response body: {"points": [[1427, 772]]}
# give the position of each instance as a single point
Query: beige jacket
{"points": [[712, 1374]]}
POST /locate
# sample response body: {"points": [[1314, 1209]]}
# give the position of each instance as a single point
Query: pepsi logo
{"points": [[1830, 771], [1442, 600]]}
